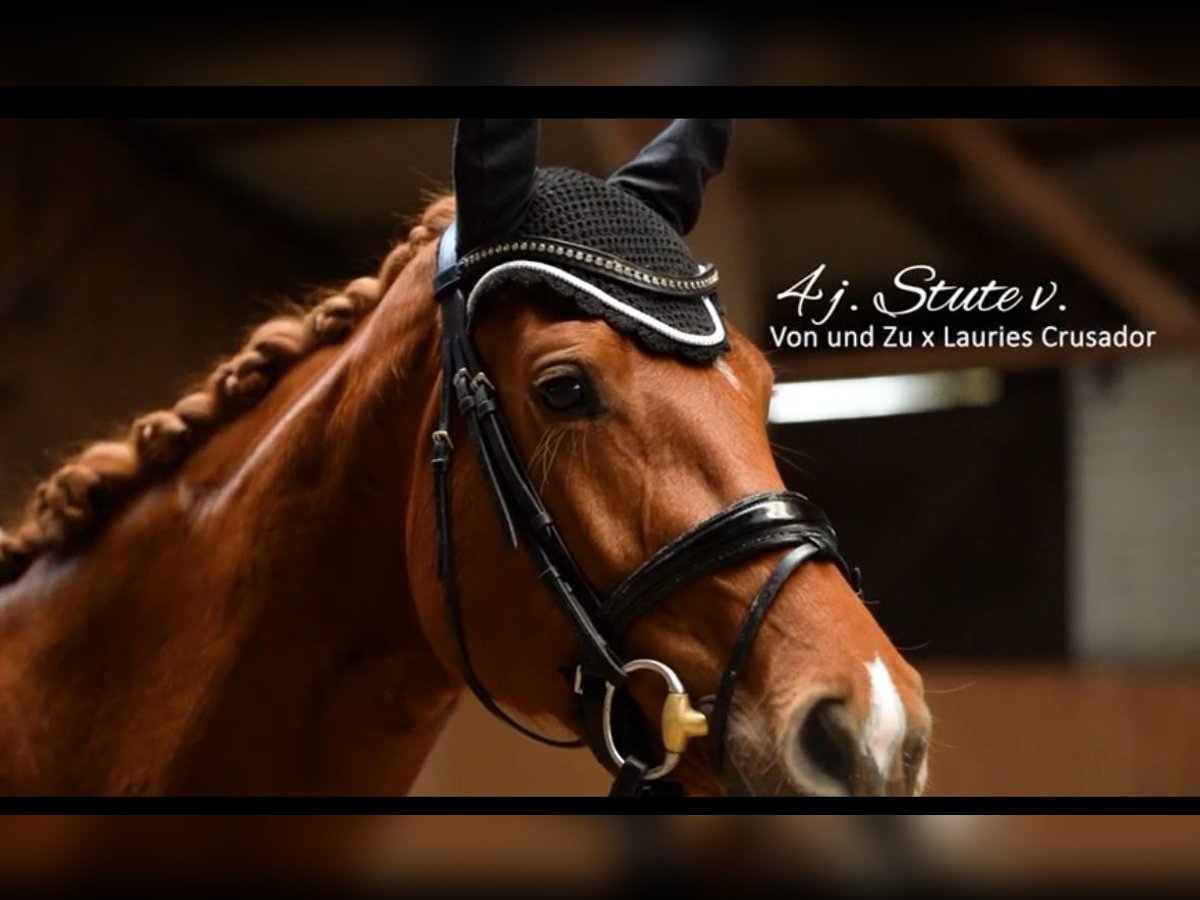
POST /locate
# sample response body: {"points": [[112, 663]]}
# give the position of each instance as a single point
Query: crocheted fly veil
{"points": [[614, 248]]}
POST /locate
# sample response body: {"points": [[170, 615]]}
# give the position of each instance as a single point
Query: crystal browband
{"points": [[550, 250]]}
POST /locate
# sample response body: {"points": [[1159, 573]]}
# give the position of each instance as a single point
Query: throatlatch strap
{"points": [[517, 505], [441, 459]]}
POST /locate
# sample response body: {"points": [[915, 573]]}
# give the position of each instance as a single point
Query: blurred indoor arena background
{"points": [[1029, 535]]}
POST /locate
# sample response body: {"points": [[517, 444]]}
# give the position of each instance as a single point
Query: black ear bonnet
{"points": [[614, 248]]}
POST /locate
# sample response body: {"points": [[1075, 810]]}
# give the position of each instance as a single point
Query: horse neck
{"points": [[247, 624]]}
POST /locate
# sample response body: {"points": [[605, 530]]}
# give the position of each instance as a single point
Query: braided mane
{"points": [[86, 491]]}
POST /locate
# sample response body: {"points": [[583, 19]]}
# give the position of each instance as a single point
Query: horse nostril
{"points": [[916, 759], [828, 743]]}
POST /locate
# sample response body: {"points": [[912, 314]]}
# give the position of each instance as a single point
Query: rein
{"points": [[613, 726]]}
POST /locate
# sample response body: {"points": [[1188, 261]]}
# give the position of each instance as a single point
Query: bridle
{"points": [[741, 531]]}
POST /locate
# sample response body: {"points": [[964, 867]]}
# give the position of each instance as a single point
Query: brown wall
{"points": [[118, 276], [956, 517]]}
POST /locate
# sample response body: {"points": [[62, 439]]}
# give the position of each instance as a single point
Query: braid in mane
{"points": [[85, 491]]}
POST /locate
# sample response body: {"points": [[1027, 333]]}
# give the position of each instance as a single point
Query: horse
{"points": [[242, 595]]}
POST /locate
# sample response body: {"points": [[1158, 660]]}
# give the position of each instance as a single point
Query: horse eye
{"points": [[566, 391], [562, 393]]}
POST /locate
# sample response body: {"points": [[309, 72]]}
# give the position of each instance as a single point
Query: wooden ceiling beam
{"points": [[1149, 296], [1068, 140]]}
